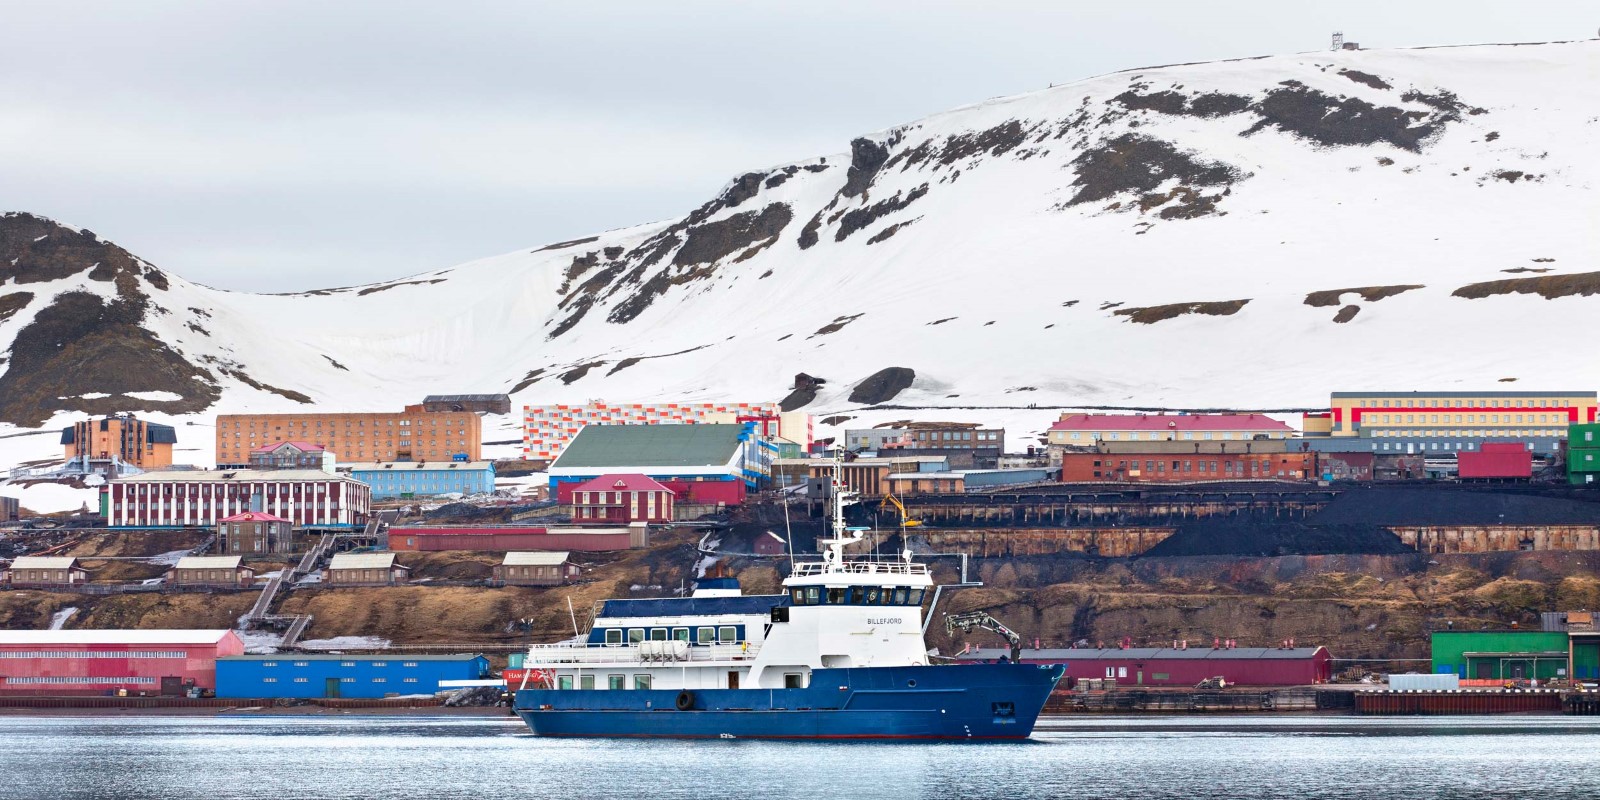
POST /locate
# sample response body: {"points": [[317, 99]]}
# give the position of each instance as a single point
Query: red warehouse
{"points": [[1153, 666], [613, 499], [1496, 460], [307, 498], [104, 661]]}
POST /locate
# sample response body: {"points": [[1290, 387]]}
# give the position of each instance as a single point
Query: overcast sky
{"points": [[281, 146]]}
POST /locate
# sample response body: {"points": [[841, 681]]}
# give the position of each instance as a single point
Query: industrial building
{"points": [[413, 434], [1184, 666], [406, 479], [150, 662], [1495, 461], [731, 458], [550, 568], [308, 498], [507, 538], [1084, 430], [620, 499], [476, 403], [868, 476], [292, 455], [10, 509], [217, 572], [972, 480], [365, 569], [255, 533], [304, 675], [1453, 422], [1183, 461], [1583, 452], [547, 430], [1501, 655], [107, 446], [45, 571]]}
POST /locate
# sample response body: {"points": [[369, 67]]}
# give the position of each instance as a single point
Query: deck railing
{"points": [[860, 568], [638, 653]]}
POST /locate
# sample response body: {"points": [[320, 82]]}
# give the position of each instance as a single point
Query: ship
{"points": [[840, 654]]}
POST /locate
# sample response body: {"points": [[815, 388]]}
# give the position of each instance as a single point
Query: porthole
{"points": [[912, 683]]}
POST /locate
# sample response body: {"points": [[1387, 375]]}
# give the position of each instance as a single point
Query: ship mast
{"points": [[833, 548]]}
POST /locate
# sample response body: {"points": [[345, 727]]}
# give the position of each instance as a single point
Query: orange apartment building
{"points": [[410, 435], [145, 445]]}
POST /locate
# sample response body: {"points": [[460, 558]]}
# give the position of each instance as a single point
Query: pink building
{"points": [[620, 499], [105, 661]]}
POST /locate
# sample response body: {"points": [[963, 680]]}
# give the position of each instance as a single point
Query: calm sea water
{"points": [[1141, 758]]}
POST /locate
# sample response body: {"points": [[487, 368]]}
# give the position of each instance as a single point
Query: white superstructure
{"points": [[836, 612]]}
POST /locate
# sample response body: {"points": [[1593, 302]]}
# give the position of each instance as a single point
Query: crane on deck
{"points": [[981, 619]]}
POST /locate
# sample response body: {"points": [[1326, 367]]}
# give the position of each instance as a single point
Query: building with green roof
{"points": [[669, 453]]}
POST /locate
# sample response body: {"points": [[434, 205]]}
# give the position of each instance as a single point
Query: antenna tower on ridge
{"points": [[1338, 40]]}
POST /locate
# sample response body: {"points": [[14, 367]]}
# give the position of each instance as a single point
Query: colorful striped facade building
{"points": [[546, 430]]}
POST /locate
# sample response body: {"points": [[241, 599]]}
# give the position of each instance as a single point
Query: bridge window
{"points": [[872, 595], [658, 634], [708, 635], [900, 596], [813, 595], [836, 596], [915, 597], [613, 636], [728, 634], [635, 635], [680, 634], [857, 595]]}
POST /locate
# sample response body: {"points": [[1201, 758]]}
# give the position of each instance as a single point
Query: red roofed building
{"points": [[292, 455], [620, 498], [1496, 461], [1084, 430]]}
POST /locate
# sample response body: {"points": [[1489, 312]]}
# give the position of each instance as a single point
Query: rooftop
{"points": [[362, 561], [235, 475], [1169, 422], [417, 466], [551, 558], [309, 447], [210, 562], [253, 516], [91, 637], [466, 398], [613, 482], [651, 446], [1589, 394], [44, 562]]}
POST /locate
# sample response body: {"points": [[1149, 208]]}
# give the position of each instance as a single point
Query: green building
{"points": [[1583, 453], [1501, 655]]}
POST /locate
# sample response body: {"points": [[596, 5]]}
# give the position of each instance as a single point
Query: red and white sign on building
{"points": [[201, 498]]}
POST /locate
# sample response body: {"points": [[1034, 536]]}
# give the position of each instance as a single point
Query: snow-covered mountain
{"points": [[1249, 233]]}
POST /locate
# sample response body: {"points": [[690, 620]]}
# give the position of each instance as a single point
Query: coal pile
{"points": [[1407, 506], [1267, 537]]}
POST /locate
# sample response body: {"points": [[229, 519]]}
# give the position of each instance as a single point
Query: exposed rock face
{"points": [[1137, 164], [35, 250], [883, 385], [83, 344]]}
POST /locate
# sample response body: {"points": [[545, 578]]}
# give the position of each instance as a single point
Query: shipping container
{"points": [[1419, 681]]}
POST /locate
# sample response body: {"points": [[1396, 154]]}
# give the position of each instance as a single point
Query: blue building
{"points": [[321, 675], [390, 479]]}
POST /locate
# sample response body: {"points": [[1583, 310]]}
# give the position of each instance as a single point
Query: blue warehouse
{"points": [[305, 675], [390, 479]]}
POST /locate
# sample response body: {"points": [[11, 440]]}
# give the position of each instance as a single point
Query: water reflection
{"points": [[1080, 757]]}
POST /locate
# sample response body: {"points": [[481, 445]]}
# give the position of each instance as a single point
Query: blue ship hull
{"points": [[965, 702]]}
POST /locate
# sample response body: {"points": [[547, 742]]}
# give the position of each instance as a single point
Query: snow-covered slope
{"points": [[1155, 237]]}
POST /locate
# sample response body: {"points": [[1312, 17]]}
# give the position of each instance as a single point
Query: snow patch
{"points": [[346, 643], [59, 619], [155, 396]]}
